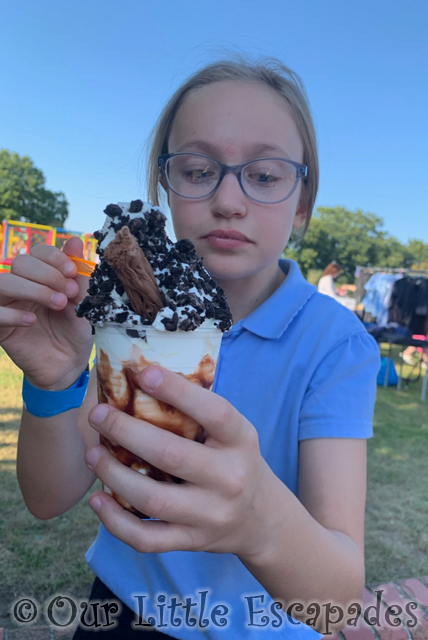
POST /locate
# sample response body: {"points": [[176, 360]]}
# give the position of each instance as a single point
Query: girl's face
{"points": [[235, 122]]}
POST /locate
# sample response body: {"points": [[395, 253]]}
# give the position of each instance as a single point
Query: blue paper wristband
{"points": [[45, 404]]}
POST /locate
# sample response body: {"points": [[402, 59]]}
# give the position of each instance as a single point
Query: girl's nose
{"points": [[229, 199]]}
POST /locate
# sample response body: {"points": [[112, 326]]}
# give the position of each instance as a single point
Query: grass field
{"points": [[42, 559], [397, 495], [38, 558]]}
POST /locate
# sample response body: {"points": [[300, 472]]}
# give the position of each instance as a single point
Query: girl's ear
{"points": [[162, 181], [300, 215]]}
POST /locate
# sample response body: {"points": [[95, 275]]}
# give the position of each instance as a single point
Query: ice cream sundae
{"points": [[150, 301]]}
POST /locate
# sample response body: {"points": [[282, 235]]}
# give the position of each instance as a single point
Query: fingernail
{"points": [[57, 299], [68, 268], [98, 413], [28, 318], [151, 379], [92, 457], [95, 504], [71, 288]]}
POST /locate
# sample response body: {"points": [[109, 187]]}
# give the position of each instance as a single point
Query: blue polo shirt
{"points": [[300, 366]]}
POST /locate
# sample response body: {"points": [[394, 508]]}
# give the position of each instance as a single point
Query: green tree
{"points": [[23, 195], [391, 253], [419, 253], [353, 238]]}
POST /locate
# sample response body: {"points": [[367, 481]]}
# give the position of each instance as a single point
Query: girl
{"points": [[272, 504]]}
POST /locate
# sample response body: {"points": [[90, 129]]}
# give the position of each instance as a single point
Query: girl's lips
{"points": [[230, 239]]}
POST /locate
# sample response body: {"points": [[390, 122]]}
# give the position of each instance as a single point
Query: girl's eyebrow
{"points": [[252, 151]]}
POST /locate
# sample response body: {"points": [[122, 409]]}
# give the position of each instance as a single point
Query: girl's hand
{"points": [[39, 328], [222, 505]]}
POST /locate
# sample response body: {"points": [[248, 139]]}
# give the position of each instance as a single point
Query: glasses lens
{"points": [[269, 180], [191, 175]]}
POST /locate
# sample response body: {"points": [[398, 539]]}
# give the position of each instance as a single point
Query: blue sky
{"points": [[83, 81]]}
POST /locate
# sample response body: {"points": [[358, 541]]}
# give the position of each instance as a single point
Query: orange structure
{"points": [[18, 237]]}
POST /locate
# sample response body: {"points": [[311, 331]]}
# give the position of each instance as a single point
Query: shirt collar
{"points": [[271, 318]]}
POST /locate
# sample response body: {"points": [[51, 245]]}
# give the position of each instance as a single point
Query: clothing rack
{"points": [[415, 273]]}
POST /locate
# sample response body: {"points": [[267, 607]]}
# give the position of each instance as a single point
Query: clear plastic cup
{"points": [[122, 353]]}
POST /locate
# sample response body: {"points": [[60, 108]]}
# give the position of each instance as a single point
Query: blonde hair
{"points": [[269, 72]]}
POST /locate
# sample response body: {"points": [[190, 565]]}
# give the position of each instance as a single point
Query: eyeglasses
{"points": [[265, 180]]}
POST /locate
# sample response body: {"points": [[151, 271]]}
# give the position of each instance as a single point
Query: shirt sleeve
{"points": [[339, 401]]}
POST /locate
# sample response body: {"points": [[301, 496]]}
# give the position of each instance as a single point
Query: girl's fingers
{"points": [[16, 288], [36, 270], [74, 247], [146, 536], [218, 417], [163, 500], [60, 261], [53, 257], [16, 318], [173, 454]]}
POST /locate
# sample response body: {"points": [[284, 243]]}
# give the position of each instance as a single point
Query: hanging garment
{"points": [[379, 290], [409, 304], [362, 278]]}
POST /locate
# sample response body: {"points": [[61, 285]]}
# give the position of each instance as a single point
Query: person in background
{"points": [[326, 284]]}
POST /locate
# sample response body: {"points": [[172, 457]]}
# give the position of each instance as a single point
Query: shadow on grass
{"points": [[10, 418], [6, 465]]}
